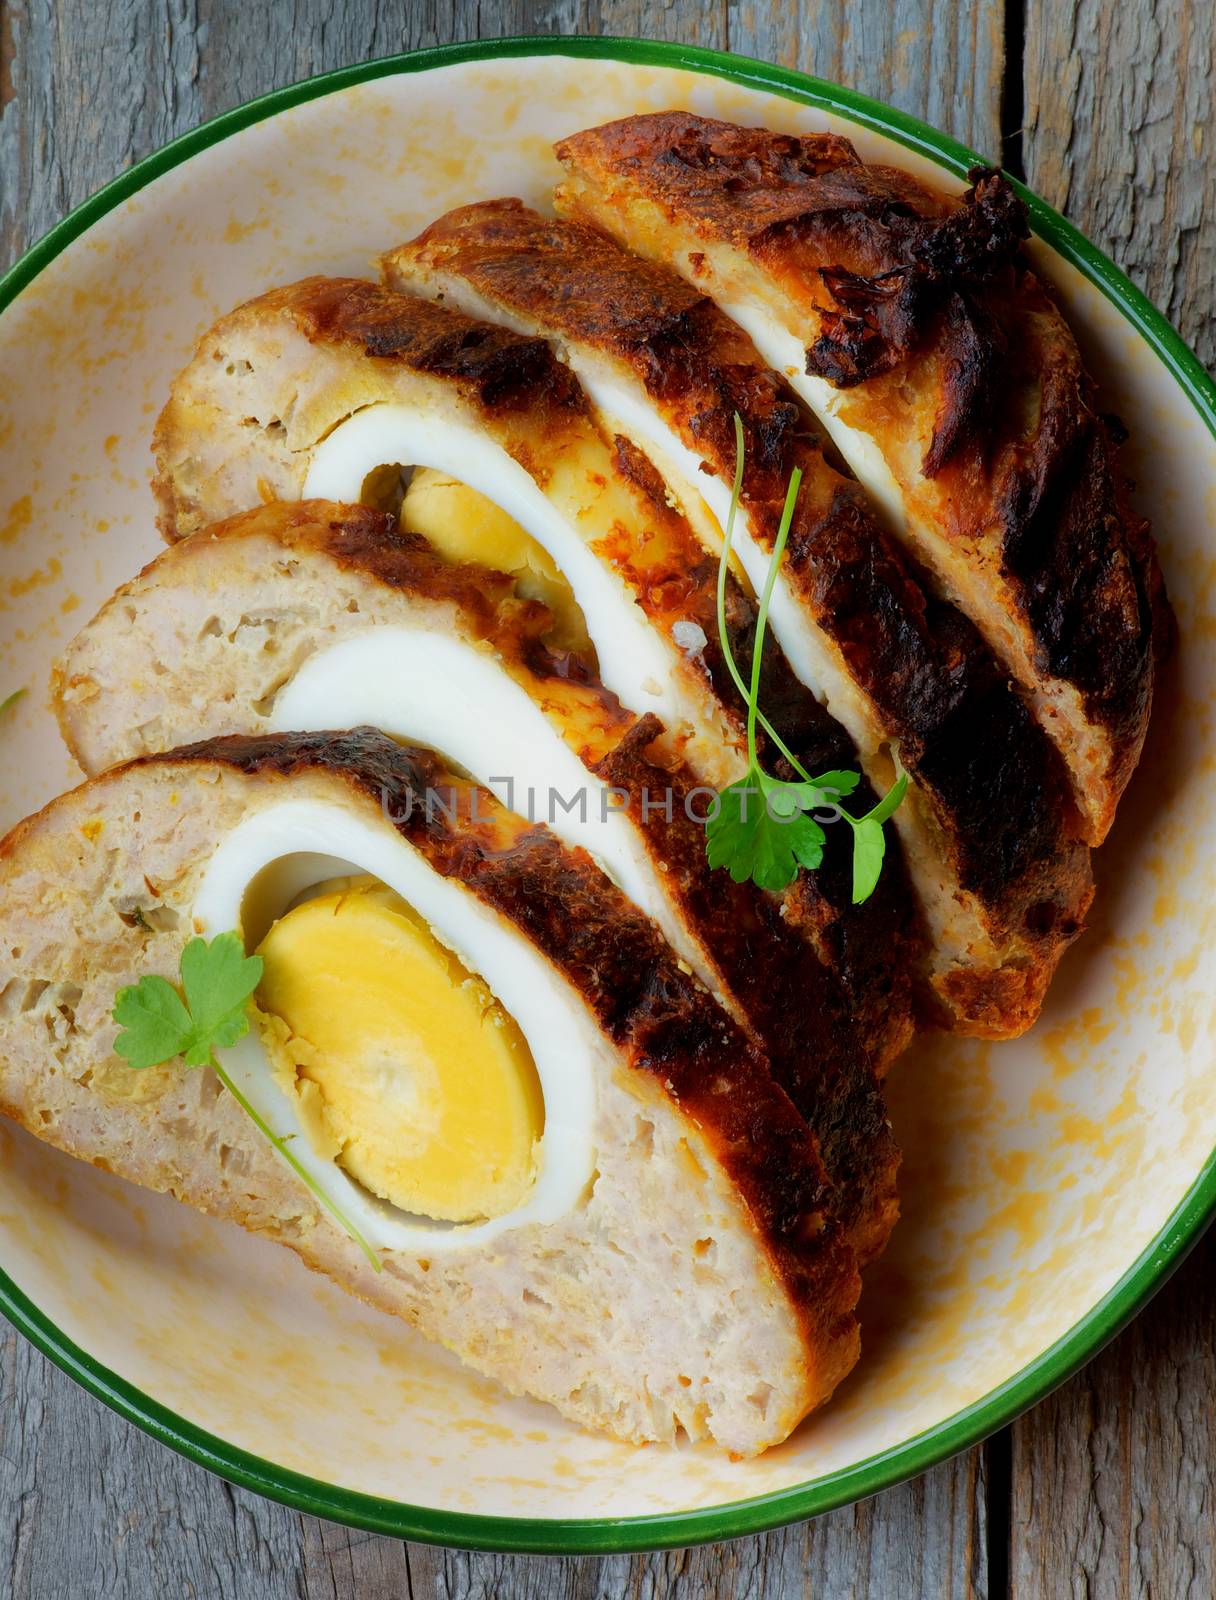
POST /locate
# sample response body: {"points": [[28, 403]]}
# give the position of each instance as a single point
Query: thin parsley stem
{"points": [[783, 533], [297, 1167], [782, 747], [723, 632], [733, 845], [724, 561], [751, 695]]}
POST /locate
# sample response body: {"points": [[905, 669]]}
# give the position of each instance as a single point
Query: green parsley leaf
{"points": [[869, 848], [7, 705], [218, 979], [838, 784], [760, 829], [159, 1025], [869, 841], [890, 802]]}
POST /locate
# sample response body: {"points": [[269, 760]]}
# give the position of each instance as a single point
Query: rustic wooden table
{"points": [[1107, 1489]]}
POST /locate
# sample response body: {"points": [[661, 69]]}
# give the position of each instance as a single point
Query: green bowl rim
{"points": [[965, 1428]]}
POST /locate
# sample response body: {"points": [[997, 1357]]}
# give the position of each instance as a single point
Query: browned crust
{"points": [[1001, 798], [1081, 558], [817, 1033], [871, 948], [666, 1024], [371, 542], [898, 262], [504, 375], [894, 275], [363, 539], [496, 369]]}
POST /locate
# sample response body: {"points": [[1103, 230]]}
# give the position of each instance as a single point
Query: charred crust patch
{"points": [[684, 154], [898, 267], [580, 285], [929, 280], [924, 666], [502, 370], [513, 253], [372, 543], [886, 271], [935, 684], [642, 473], [966, 735], [377, 546], [803, 1011], [973, 346], [872, 948], [1091, 586]]}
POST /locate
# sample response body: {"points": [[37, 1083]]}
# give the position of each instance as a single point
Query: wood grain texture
{"points": [[1112, 1478], [89, 1506], [64, 130], [925, 1538], [1120, 133], [939, 59], [1112, 1483]]}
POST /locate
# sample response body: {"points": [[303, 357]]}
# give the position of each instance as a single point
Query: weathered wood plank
{"points": [[923, 1539], [1120, 119], [79, 102], [937, 59], [1113, 1475], [89, 1507], [230, 71]]}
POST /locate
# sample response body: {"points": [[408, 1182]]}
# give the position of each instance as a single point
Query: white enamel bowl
{"points": [[1048, 1184]]}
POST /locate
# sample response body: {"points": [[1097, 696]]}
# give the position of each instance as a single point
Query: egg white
{"points": [[786, 354], [635, 663], [632, 414], [436, 690], [272, 858]]}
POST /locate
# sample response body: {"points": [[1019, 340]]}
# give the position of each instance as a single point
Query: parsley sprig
{"points": [[762, 827], [209, 1013]]}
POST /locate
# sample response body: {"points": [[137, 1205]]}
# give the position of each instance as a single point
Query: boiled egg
{"points": [[786, 353], [463, 525], [405, 1065], [635, 662], [434, 1075], [441, 691]]}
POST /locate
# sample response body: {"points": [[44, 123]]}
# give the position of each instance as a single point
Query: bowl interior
{"points": [[1036, 1173]]}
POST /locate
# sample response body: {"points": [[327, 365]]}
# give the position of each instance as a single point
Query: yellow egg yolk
{"points": [[405, 1068], [462, 525]]}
